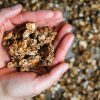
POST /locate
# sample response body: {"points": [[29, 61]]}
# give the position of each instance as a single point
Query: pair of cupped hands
{"points": [[16, 85]]}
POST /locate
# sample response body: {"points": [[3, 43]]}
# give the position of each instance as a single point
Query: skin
{"points": [[19, 85]]}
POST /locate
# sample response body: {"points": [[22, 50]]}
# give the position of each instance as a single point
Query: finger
{"points": [[63, 48], [49, 79], [41, 17], [10, 12], [5, 70], [61, 33], [49, 23]]}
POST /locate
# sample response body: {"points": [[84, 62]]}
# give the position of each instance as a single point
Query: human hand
{"points": [[19, 85]]}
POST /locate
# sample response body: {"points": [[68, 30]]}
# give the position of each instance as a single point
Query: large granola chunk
{"points": [[30, 46]]}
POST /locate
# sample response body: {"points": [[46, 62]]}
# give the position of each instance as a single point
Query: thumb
{"points": [[10, 12]]}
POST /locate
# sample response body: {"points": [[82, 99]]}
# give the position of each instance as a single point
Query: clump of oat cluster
{"points": [[30, 47]]}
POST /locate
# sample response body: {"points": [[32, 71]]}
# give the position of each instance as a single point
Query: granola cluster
{"points": [[30, 47]]}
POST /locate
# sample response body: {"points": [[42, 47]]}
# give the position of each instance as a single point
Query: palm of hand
{"points": [[20, 85]]}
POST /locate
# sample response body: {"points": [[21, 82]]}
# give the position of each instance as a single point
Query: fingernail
{"points": [[16, 7], [69, 28], [46, 14], [65, 67], [58, 14], [71, 36], [50, 14]]}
